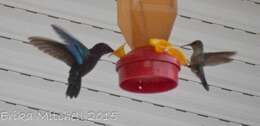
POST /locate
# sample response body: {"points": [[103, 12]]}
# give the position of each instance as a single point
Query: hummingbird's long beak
{"points": [[186, 46], [110, 54]]}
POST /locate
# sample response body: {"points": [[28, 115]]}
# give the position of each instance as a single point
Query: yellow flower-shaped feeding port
{"points": [[161, 46], [120, 51], [178, 54]]}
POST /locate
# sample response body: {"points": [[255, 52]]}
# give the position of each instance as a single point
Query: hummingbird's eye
{"points": [[194, 43]]}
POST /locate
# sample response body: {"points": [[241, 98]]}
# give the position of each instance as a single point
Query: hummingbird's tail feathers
{"points": [[204, 83], [216, 58], [74, 83], [200, 74]]}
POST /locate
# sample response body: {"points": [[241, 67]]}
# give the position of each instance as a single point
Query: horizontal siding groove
{"points": [[101, 28], [118, 32], [51, 16], [26, 42], [181, 78], [56, 17], [252, 1], [10, 103], [142, 101]]}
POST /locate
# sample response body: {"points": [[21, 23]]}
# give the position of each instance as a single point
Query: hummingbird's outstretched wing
{"points": [[77, 49], [53, 48], [200, 74], [216, 58]]}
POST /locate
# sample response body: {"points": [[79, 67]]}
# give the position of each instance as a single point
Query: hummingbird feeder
{"points": [[153, 64]]}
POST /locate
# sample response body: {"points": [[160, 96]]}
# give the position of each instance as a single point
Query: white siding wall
{"points": [[33, 82]]}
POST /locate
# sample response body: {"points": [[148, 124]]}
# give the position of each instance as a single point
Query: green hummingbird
{"points": [[199, 59]]}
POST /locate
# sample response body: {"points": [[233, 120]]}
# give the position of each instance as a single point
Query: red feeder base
{"points": [[145, 71]]}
